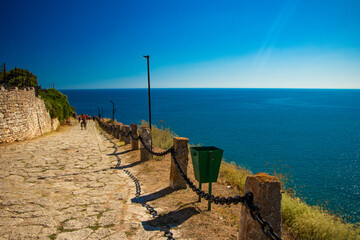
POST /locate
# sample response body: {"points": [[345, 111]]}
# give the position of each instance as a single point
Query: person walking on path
{"points": [[83, 123]]}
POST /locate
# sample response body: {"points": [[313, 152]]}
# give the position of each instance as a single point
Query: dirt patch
{"points": [[180, 210]]}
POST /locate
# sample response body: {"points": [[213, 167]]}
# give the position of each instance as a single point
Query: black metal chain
{"points": [[256, 215], [151, 151], [144, 144], [247, 199], [167, 233], [134, 138]]}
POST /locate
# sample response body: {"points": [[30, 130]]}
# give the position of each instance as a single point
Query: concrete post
{"points": [[182, 156], [126, 132], [267, 197], [134, 143], [146, 136]]}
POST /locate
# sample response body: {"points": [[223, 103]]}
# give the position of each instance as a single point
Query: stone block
{"points": [[146, 136], [182, 156], [267, 197], [134, 133]]}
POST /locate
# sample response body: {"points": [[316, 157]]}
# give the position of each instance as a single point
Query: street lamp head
{"points": [[147, 56]]}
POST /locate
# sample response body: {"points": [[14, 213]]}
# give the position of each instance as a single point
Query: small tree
{"points": [[20, 78]]}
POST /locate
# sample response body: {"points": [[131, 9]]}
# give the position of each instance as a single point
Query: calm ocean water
{"points": [[312, 135]]}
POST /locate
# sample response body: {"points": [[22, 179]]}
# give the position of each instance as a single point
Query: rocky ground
{"points": [[65, 185]]}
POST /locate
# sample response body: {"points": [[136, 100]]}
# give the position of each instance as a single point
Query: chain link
{"points": [[167, 233], [247, 199], [152, 152]]}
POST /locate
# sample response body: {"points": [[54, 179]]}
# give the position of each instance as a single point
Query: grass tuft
{"points": [[313, 222], [162, 137], [233, 175]]}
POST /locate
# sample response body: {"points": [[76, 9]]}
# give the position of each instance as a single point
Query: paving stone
{"points": [[80, 223], [101, 233], [61, 185], [109, 218], [75, 235], [25, 232]]}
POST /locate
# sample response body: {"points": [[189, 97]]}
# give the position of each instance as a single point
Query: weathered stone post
{"points": [[122, 131], [267, 197], [117, 130], [113, 128], [146, 136], [134, 143], [126, 132], [182, 156]]}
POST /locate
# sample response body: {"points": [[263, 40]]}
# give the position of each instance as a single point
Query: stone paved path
{"points": [[61, 186]]}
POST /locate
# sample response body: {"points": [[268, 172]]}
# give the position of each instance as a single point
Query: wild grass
{"points": [[313, 222], [162, 136], [302, 220], [233, 175]]}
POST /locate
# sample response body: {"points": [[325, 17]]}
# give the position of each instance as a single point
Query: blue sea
{"points": [[311, 135]]}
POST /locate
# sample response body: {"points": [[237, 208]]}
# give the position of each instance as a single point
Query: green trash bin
{"points": [[206, 164]]}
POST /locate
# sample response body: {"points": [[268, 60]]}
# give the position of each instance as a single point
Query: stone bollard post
{"points": [[117, 130], [134, 143], [112, 127], [146, 136], [122, 130], [182, 156], [267, 197], [126, 132]]}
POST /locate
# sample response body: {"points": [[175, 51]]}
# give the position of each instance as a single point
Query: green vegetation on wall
{"points": [[57, 104], [18, 77]]}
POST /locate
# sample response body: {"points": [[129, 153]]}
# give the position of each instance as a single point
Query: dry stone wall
{"points": [[22, 115]]}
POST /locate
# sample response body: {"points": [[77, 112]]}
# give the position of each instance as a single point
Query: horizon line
{"points": [[210, 88]]}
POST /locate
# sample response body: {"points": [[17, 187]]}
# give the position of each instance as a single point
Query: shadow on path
{"points": [[170, 220], [116, 153], [74, 174], [152, 196]]}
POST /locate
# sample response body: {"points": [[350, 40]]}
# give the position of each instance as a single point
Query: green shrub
{"points": [[56, 103], [18, 77]]}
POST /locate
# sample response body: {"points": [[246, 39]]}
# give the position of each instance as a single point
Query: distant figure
{"points": [[84, 122]]}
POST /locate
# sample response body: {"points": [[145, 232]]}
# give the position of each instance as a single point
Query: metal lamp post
{"points": [[148, 70]]}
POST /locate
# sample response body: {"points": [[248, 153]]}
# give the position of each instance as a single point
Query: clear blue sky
{"points": [[267, 43]]}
